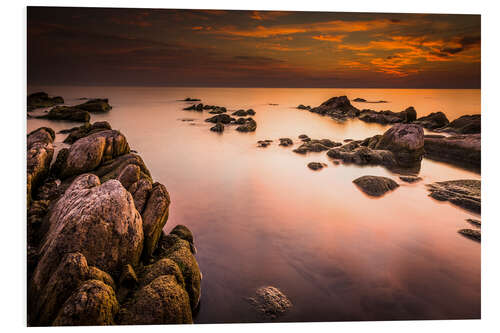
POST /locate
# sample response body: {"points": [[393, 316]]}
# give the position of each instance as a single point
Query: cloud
{"points": [[330, 38], [267, 15]]}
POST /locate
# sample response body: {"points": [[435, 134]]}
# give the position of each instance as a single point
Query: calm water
{"points": [[261, 217]]}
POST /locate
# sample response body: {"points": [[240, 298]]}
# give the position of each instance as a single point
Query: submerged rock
{"points": [[303, 107], [375, 186], [362, 100], [465, 193], [270, 301], [217, 128], [316, 165], [285, 142], [461, 150], [263, 143], [472, 234], [188, 99]]}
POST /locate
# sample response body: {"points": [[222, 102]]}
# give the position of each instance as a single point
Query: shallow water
{"points": [[261, 217]]}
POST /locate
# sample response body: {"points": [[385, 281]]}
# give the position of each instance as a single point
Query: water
{"points": [[261, 217]]}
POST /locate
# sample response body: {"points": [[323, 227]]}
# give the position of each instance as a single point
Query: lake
{"points": [[261, 217]]}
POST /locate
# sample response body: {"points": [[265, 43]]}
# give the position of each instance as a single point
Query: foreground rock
{"points": [[87, 129], [405, 141], [38, 158], [465, 193], [270, 302], [375, 186], [338, 108], [264, 143], [43, 100], [461, 150], [471, 233]]}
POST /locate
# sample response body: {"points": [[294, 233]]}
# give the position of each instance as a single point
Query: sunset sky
{"points": [[99, 46]]}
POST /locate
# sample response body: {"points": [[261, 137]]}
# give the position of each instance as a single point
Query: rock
{"points": [[38, 157], [87, 129], [263, 143], [68, 113], [183, 233], [354, 153], [220, 118], [316, 165], [410, 179], [388, 117], [111, 169], [470, 124], [96, 274], [472, 234], [189, 99], [162, 267], [375, 186], [304, 137], [95, 105], [154, 217], [194, 107], [461, 150], [181, 252], [129, 175], [465, 193], [250, 112], [474, 222], [42, 100], [47, 295], [249, 126], [286, 142], [270, 301], [218, 111], [163, 301], [303, 107], [93, 303], [338, 108], [128, 278], [218, 128], [406, 142], [358, 99], [316, 146], [140, 192], [240, 113], [89, 152], [239, 121], [433, 120], [98, 221]]}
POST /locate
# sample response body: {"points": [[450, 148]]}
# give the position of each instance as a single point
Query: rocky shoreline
{"points": [[97, 252]]}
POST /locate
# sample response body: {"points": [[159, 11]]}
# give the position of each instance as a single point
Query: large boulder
{"points": [[163, 301], [465, 193], [154, 217], [461, 150], [89, 152], [93, 303], [469, 124], [99, 221], [375, 186], [39, 155], [405, 141], [433, 120], [337, 108]]}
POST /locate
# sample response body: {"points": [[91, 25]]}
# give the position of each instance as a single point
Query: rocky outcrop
{"points": [[469, 124], [461, 150], [38, 157], [42, 100], [250, 125], [316, 146], [93, 303], [338, 108], [388, 117], [465, 193], [87, 129], [270, 302], [433, 121], [405, 141], [375, 186]]}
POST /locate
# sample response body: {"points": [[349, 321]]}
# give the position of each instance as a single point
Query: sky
{"points": [[226, 48]]}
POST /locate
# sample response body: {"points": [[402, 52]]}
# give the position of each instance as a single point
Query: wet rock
{"points": [[161, 267], [461, 150], [433, 120], [220, 118], [388, 117], [469, 124], [218, 128], [42, 100], [263, 143], [163, 301], [87, 129], [475, 222], [316, 165], [338, 108], [316, 146], [375, 186], [405, 141], [154, 217], [410, 179], [95, 105], [89, 152], [270, 301], [472, 234], [68, 113], [249, 126], [98, 221], [285, 142], [38, 157], [93, 303], [360, 155], [465, 193], [140, 192], [304, 137]]}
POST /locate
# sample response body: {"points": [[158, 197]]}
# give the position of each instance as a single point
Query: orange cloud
{"points": [[267, 15], [330, 38]]}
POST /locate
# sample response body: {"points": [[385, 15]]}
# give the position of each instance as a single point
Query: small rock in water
{"points": [[286, 142], [316, 165], [410, 179], [263, 143], [474, 222], [219, 127], [472, 234], [375, 186], [270, 301]]}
